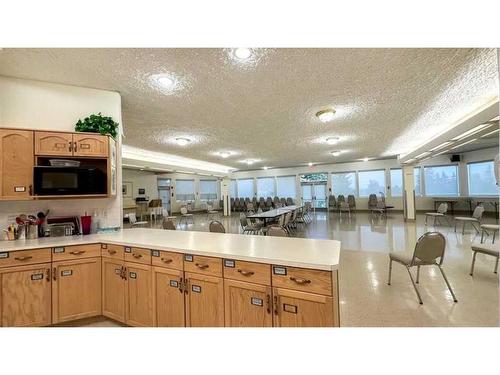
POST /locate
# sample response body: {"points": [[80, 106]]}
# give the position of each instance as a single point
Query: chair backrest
{"points": [[442, 208], [276, 201], [168, 224], [269, 202], [259, 211], [281, 220], [351, 200], [132, 218], [344, 206], [332, 201], [155, 203], [249, 206], [243, 220], [210, 207], [277, 231], [216, 227], [184, 210], [429, 247], [478, 212], [372, 201], [287, 218], [283, 201], [340, 199], [289, 201]]}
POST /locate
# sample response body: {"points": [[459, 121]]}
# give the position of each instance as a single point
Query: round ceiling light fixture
{"points": [[242, 53], [332, 140], [249, 161], [265, 168], [310, 164], [182, 141], [335, 153], [366, 159], [166, 82], [224, 154], [325, 115]]}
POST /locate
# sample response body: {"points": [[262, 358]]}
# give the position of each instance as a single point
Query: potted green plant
{"points": [[98, 124]]}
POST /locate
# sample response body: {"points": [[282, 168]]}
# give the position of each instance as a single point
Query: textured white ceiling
{"points": [[388, 101]]}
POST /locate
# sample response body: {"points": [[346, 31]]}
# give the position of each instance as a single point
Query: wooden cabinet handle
{"points": [[137, 256], [27, 257], [275, 303], [74, 146], [54, 273], [70, 146], [300, 281], [124, 274], [78, 252], [268, 303], [48, 274], [166, 260], [246, 273], [202, 266], [111, 252], [180, 285]]}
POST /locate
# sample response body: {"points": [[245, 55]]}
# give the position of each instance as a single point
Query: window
{"points": [[232, 189], [396, 183], [482, 179], [265, 187], [344, 183], [286, 187], [441, 181], [245, 188], [371, 182], [208, 189], [417, 181], [184, 190]]}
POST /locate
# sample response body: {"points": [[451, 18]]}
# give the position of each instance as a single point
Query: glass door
{"points": [[314, 189], [164, 192], [319, 195], [307, 193]]}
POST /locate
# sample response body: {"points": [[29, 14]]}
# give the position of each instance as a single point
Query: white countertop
{"points": [[295, 252]]}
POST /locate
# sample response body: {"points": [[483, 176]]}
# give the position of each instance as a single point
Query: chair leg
{"points": [[473, 263], [414, 286], [494, 234], [425, 222], [496, 265], [463, 228], [447, 284], [455, 226], [390, 272], [475, 228], [482, 236], [418, 275]]}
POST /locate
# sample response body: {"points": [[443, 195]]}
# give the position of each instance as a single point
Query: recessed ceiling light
{"points": [[444, 144], [249, 161], [490, 133], [332, 140], [422, 155], [470, 132], [335, 153], [366, 159], [266, 168], [224, 154], [310, 164], [325, 115], [463, 144], [182, 141], [166, 81], [242, 53]]}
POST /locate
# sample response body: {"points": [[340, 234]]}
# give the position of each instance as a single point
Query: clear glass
{"points": [[481, 179], [286, 187], [184, 190], [245, 188], [441, 181], [265, 187], [396, 183], [208, 190], [320, 195], [344, 183], [371, 182]]}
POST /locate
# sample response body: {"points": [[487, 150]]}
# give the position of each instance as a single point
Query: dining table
{"points": [[273, 214]]}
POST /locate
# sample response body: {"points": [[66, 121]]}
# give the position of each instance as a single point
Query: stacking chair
{"points": [[248, 227], [276, 231], [307, 212], [236, 206], [254, 203], [231, 200], [430, 246], [247, 201], [289, 201], [134, 223], [168, 224], [242, 204], [250, 206], [490, 250], [475, 219], [216, 227], [332, 203], [372, 202], [340, 200], [185, 215], [262, 203], [269, 203], [211, 212], [283, 202], [441, 212], [276, 201], [486, 228], [352, 202], [344, 207], [286, 222]]}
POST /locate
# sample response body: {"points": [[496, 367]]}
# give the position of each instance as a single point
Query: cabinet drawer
{"points": [[112, 251], [167, 259], [306, 280], [257, 273], [203, 265], [20, 258], [137, 255], [76, 252]]}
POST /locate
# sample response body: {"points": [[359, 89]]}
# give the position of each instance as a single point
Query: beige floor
{"points": [[365, 297]]}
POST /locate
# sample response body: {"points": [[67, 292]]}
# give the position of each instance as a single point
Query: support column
{"points": [[409, 207], [225, 194]]}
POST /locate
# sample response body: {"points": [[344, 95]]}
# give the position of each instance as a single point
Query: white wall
{"points": [[49, 106], [140, 180]]}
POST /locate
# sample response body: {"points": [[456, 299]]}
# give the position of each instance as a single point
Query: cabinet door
{"points": [[301, 309], [76, 289], [53, 144], [204, 301], [168, 297], [113, 289], [247, 304], [88, 144], [139, 303], [16, 163], [25, 296]]}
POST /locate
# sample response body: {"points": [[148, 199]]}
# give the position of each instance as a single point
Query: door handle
{"points": [[186, 286], [70, 146], [275, 305], [246, 273], [74, 147], [166, 260], [300, 281], [137, 256], [202, 266], [268, 303], [180, 285], [48, 275], [54, 274], [111, 252]]}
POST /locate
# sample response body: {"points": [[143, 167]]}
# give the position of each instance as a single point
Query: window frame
{"points": [[176, 190], [216, 190], [373, 170], [468, 179], [424, 180], [402, 182]]}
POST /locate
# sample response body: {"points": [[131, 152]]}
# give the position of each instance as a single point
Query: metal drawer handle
{"points": [[112, 252], [137, 256], [165, 260], [202, 266], [27, 257], [275, 305], [268, 303], [300, 281], [78, 252], [246, 273]]}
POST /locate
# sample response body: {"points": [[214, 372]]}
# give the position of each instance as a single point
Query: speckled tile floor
{"points": [[367, 300]]}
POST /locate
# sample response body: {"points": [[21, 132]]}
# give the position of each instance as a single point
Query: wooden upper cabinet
{"points": [[25, 296], [53, 144], [16, 163], [87, 144]]}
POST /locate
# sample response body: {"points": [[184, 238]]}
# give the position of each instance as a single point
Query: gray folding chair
{"points": [[441, 212], [276, 231], [430, 246], [168, 224], [475, 219], [485, 249], [216, 227], [352, 202]]}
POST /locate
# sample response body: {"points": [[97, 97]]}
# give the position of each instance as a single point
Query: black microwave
{"points": [[69, 181]]}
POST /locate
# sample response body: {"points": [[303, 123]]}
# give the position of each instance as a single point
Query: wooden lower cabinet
{"points": [[25, 296], [204, 300], [247, 304], [168, 298], [113, 289], [76, 289], [301, 309], [139, 295]]}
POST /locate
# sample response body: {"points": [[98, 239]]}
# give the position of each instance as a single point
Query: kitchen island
{"points": [[153, 277]]}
